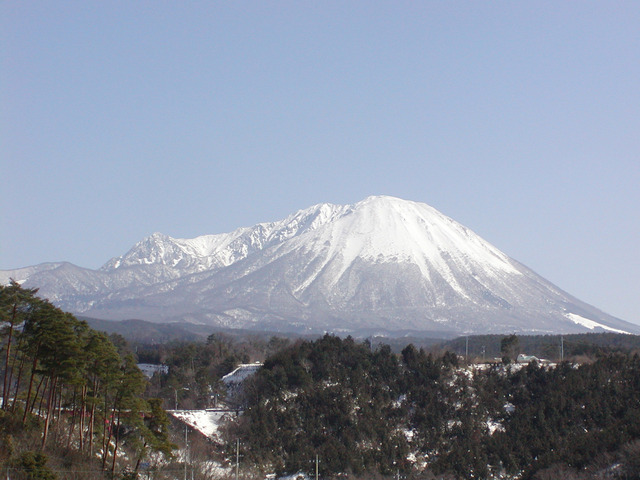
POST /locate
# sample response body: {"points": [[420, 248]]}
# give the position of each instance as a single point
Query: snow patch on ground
{"points": [[295, 476], [234, 380], [241, 373], [494, 426], [205, 421]]}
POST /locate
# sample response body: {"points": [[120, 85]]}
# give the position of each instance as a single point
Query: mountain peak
{"points": [[383, 199], [381, 264]]}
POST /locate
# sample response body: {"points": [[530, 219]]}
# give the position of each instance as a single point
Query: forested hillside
{"points": [[75, 406], [368, 412], [72, 403]]}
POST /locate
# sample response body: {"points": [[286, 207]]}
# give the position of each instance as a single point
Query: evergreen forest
{"points": [[74, 405], [367, 412]]}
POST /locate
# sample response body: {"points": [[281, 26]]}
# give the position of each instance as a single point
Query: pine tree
{"points": [[16, 303]]}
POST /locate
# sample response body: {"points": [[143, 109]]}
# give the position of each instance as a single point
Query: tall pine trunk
{"points": [[108, 439], [43, 380], [92, 416], [83, 412], [18, 381], [115, 448], [139, 459], [31, 378], [47, 420], [58, 404], [73, 417], [5, 383]]}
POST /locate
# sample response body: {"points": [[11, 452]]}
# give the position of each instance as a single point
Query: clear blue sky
{"points": [[520, 120]]}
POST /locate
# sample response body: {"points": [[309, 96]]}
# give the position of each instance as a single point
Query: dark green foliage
{"points": [[362, 412], [32, 466], [510, 348], [70, 392], [571, 414], [332, 397]]}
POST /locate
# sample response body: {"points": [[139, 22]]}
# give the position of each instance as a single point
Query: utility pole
{"points": [[316, 466], [561, 348], [466, 348], [237, 456], [186, 449]]}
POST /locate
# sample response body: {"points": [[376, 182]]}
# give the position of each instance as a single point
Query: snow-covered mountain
{"points": [[382, 265]]}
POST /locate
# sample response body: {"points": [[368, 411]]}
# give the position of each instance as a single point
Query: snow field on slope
{"points": [[591, 324], [413, 233], [377, 229]]}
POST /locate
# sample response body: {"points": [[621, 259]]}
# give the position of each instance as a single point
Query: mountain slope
{"points": [[381, 265]]}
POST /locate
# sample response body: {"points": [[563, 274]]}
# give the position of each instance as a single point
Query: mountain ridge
{"points": [[380, 264]]}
